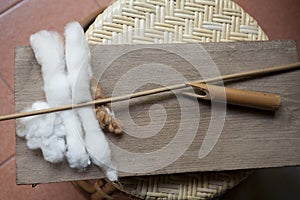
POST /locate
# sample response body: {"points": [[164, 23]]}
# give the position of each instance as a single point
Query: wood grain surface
{"points": [[165, 132]]}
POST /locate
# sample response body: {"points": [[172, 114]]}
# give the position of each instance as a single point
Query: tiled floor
{"points": [[20, 18]]}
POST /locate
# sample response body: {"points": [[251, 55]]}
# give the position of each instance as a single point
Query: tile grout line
{"points": [[1, 14], [10, 7], [97, 3], [7, 160], [5, 82]]}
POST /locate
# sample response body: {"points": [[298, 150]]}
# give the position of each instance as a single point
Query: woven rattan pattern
{"points": [[146, 22], [205, 185], [181, 21]]}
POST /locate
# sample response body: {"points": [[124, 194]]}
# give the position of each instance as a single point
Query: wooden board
{"points": [[249, 138]]}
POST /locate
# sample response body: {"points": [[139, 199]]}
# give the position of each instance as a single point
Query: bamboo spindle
{"points": [[252, 73]]}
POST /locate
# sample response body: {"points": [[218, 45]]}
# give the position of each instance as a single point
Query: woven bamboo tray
{"points": [[182, 21]]}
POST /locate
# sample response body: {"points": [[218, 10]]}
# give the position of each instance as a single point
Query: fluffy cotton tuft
{"points": [[45, 132], [78, 59], [62, 134], [49, 51]]}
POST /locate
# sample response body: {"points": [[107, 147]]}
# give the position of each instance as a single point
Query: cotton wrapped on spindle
{"points": [[105, 115]]}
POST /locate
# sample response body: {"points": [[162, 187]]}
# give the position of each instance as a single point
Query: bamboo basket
{"points": [[169, 21]]}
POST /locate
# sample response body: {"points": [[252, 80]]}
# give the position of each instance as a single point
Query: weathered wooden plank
{"points": [[249, 138]]}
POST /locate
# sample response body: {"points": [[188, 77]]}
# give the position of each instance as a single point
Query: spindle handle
{"points": [[259, 100]]}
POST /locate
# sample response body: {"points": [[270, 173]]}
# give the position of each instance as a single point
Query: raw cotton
{"points": [[45, 132], [78, 59], [49, 52]]}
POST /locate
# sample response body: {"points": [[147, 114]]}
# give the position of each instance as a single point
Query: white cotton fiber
{"points": [[45, 132], [78, 60], [49, 52]]}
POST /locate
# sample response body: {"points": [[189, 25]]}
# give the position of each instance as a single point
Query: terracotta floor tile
{"points": [[31, 16], [7, 4], [279, 19], [11, 191], [7, 133], [8, 140], [104, 3]]}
